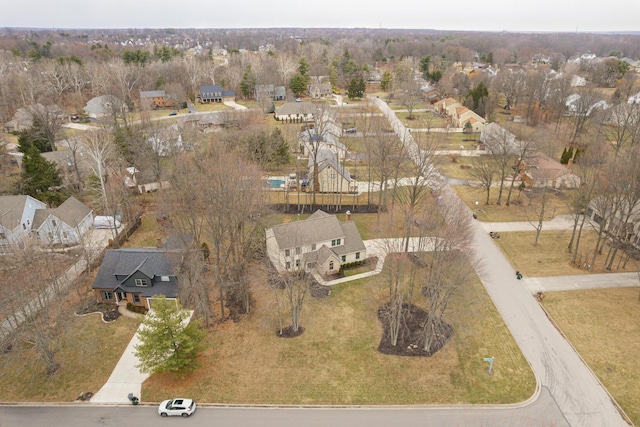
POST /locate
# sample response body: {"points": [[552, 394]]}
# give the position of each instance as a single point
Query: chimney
{"points": [[348, 213], [159, 242]]}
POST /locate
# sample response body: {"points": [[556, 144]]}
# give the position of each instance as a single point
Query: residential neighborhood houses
{"points": [[348, 178], [22, 216]]}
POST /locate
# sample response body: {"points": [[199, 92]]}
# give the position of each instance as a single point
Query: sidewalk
{"points": [[124, 379], [581, 281]]}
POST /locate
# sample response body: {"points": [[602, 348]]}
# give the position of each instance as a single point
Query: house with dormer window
{"points": [[320, 243], [210, 93], [135, 275]]}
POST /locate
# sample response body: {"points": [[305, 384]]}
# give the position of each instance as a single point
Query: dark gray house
{"points": [[135, 275]]}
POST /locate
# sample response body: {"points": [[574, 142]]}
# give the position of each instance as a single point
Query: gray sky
{"points": [[492, 15]]}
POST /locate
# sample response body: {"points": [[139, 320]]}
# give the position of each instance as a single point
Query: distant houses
{"points": [[103, 106], [214, 93], [154, 99]]}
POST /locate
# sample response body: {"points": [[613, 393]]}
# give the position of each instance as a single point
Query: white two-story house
{"points": [[320, 243]]}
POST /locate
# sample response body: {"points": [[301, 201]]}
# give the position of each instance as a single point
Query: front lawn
{"points": [[90, 352], [335, 360], [522, 206]]}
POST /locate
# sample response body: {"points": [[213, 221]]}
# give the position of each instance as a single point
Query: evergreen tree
{"points": [[424, 66], [167, 342], [39, 135], [40, 178], [248, 83], [356, 88], [385, 81], [298, 84]]}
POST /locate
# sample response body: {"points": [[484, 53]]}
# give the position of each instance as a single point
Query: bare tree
{"points": [[622, 126], [101, 155], [501, 146], [484, 170], [583, 109], [524, 149], [449, 268]]}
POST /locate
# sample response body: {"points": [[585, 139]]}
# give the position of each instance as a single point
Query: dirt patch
{"points": [[411, 338], [289, 332]]}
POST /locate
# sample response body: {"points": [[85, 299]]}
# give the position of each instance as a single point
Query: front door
{"points": [[122, 296]]}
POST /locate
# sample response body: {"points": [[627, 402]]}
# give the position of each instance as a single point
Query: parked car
{"points": [[179, 406], [351, 130], [173, 113], [298, 100]]}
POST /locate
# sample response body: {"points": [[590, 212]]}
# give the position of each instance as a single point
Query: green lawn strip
{"points": [[607, 342], [91, 349], [335, 361]]}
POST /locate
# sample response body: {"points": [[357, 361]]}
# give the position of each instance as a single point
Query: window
{"points": [[344, 258], [336, 242], [287, 252], [3, 235], [64, 235], [298, 251], [136, 298], [50, 236], [54, 223], [297, 263], [288, 265], [106, 295], [313, 246], [357, 255], [331, 265], [141, 282]]}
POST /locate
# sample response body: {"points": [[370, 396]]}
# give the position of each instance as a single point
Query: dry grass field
{"points": [[335, 360], [602, 324]]}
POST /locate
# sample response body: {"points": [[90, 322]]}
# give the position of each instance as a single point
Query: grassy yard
{"points": [[602, 324], [550, 257], [423, 120], [335, 360], [460, 169], [522, 205], [90, 352]]}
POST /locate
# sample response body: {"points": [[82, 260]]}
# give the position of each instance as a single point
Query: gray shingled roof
{"points": [[40, 216], [72, 211], [293, 108], [318, 227], [152, 93], [149, 261], [352, 240], [11, 208]]}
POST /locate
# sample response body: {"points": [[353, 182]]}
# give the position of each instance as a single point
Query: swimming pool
{"points": [[276, 182]]}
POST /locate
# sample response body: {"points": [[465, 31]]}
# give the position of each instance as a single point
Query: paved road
{"points": [[578, 393], [543, 412]]}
